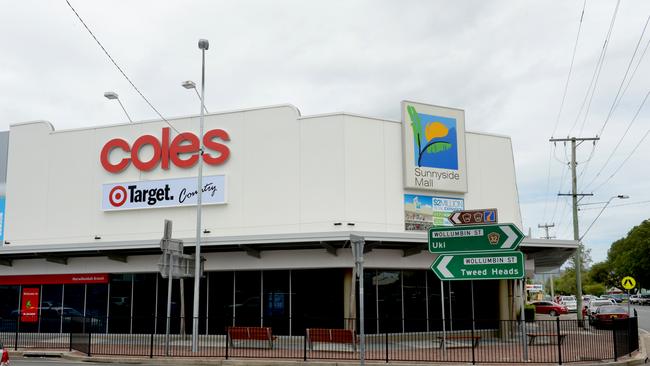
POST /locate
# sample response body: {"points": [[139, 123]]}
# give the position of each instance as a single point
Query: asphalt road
{"points": [[643, 312]]}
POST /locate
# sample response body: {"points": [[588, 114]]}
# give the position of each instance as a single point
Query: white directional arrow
{"points": [[442, 266], [512, 237], [455, 218]]}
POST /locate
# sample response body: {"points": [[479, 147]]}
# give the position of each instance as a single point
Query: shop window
{"points": [[276, 300], [415, 301], [389, 300], [144, 303], [96, 307], [317, 299], [434, 302], [119, 305], [50, 312], [220, 303], [247, 305], [73, 308]]}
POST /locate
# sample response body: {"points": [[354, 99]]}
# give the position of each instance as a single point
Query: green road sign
{"points": [[479, 266], [460, 239]]}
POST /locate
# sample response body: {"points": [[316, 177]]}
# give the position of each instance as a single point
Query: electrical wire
{"points": [[568, 78], [599, 64], [625, 160], [118, 67], [619, 205]]}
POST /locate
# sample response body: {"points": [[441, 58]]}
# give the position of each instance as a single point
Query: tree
{"points": [[602, 273], [630, 256]]}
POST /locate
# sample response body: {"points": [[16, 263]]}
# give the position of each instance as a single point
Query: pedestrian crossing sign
{"points": [[628, 282]]}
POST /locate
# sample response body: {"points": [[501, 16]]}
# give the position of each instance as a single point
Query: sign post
{"points": [[460, 239], [358, 242], [628, 284]]}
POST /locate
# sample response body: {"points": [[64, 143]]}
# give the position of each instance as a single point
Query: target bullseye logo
{"points": [[117, 196]]}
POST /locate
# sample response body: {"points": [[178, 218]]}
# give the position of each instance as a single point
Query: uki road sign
{"points": [[474, 238], [474, 217], [479, 266]]}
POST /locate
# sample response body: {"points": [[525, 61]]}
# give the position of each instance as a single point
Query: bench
{"points": [[250, 334], [533, 336], [326, 335], [474, 339]]}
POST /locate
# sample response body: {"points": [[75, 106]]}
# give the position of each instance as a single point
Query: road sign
{"points": [[628, 282], [479, 266], [474, 217], [459, 239]]}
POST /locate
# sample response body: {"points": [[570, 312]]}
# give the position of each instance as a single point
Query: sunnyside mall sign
{"points": [[434, 148]]}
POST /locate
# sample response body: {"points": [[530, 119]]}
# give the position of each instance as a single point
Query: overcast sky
{"points": [[505, 63]]}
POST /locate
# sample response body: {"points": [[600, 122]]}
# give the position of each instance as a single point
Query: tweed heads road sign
{"points": [[460, 239], [479, 266]]}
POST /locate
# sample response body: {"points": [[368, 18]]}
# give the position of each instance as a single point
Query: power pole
{"points": [[575, 142], [546, 227]]}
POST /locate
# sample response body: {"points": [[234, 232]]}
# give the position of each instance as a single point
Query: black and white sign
{"points": [[162, 193]]}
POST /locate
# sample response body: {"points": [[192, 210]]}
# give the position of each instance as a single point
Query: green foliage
{"points": [[601, 273], [596, 289], [630, 256]]}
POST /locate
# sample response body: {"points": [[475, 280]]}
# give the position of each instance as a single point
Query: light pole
{"points": [[203, 45], [113, 95], [620, 196], [189, 84]]}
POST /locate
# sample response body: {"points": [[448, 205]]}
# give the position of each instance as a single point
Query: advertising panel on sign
{"points": [[433, 140], [163, 193], [422, 212], [29, 305]]}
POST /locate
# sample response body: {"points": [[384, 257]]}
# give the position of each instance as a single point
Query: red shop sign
{"points": [[55, 279], [29, 305]]}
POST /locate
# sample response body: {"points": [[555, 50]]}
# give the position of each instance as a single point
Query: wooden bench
{"points": [[326, 335], [533, 336], [250, 334], [474, 339]]}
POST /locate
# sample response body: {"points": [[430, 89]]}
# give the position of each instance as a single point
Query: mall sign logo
{"points": [[182, 151], [434, 148], [163, 193]]}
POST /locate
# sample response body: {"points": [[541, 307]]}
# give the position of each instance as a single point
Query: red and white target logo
{"points": [[117, 196]]}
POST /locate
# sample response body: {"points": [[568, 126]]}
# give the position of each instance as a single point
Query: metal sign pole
{"points": [[444, 330], [357, 250], [523, 317], [169, 302], [471, 284]]}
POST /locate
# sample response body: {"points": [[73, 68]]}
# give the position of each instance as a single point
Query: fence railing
{"points": [[481, 341]]}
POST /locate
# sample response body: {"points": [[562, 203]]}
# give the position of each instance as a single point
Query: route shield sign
{"points": [[460, 239], [474, 217], [479, 266], [628, 282]]}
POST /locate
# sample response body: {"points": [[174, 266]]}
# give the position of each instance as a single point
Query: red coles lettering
{"points": [[181, 152]]}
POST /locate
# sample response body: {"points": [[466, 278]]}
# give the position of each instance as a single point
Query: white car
{"points": [[634, 299], [594, 304], [570, 303]]}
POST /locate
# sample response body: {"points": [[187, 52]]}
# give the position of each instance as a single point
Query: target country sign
{"points": [[162, 193], [474, 238], [479, 266]]}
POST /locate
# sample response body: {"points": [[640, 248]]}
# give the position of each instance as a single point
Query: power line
{"points": [[573, 56], [118, 67], [594, 78], [619, 205], [624, 161]]}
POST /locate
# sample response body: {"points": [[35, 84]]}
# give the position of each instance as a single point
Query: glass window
{"points": [[9, 308], [435, 308], [276, 300], [96, 303], [370, 301], [389, 290], [247, 298], [415, 301], [119, 310], [144, 302], [220, 312], [73, 307], [317, 299], [50, 319]]}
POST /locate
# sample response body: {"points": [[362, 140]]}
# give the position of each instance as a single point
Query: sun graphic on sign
{"points": [[434, 140]]}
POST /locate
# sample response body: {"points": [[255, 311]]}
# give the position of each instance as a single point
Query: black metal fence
{"points": [[481, 341]]}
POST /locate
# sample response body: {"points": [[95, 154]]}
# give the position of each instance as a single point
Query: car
{"points": [[4, 357], [606, 314], [644, 299], [570, 303], [550, 308], [634, 299], [595, 304]]}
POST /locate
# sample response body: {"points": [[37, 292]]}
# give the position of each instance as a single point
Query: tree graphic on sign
{"points": [[433, 136]]}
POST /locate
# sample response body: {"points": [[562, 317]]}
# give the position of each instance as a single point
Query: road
{"points": [[643, 312], [57, 362]]}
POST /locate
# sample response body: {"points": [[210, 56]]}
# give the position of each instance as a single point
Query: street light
{"points": [[620, 196], [203, 45], [189, 84], [113, 95]]}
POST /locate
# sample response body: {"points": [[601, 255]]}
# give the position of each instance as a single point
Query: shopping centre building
{"points": [[84, 211]]}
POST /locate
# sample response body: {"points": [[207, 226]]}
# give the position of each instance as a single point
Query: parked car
{"points": [[4, 357], [570, 303], [634, 299], [595, 304], [606, 314], [550, 308], [644, 299]]}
